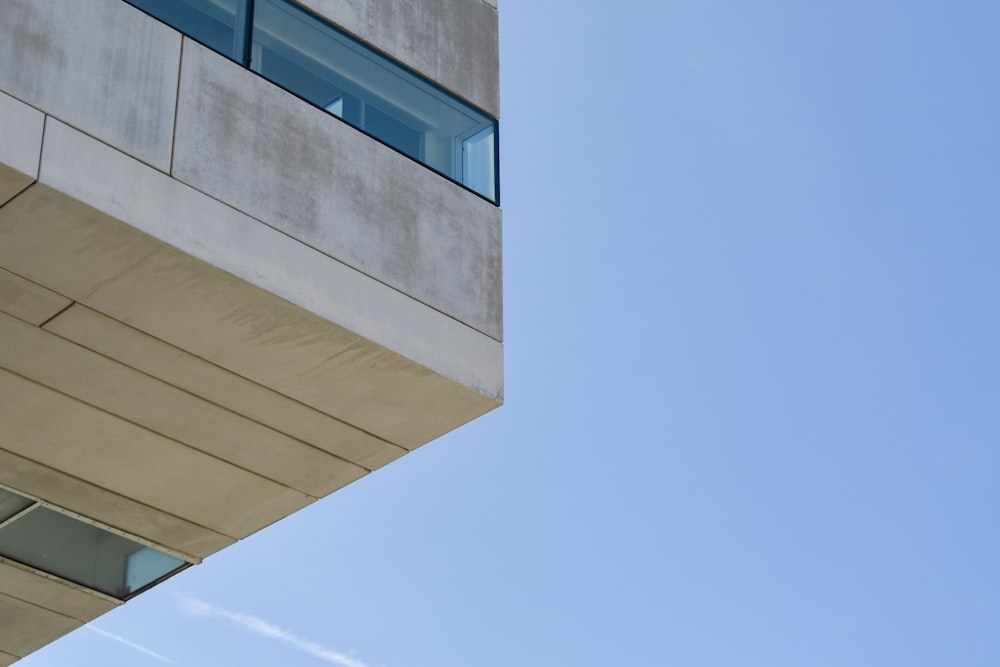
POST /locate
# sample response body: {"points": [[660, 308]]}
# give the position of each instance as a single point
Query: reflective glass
{"points": [[218, 24], [314, 60], [11, 504], [66, 547]]}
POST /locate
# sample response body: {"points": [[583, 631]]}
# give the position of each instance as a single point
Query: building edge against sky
{"points": [[219, 301]]}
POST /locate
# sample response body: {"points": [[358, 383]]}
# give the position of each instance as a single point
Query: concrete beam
{"points": [[285, 266], [104, 264], [213, 383], [54, 240], [75, 438]]}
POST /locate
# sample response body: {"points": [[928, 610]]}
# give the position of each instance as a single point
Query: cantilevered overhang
{"points": [[217, 303]]}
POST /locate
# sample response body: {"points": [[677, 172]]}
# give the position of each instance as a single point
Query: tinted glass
{"points": [[66, 547], [11, 504], [217, 24]]}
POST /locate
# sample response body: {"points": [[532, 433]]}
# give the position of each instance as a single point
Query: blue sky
{"points": [[752, 373]]}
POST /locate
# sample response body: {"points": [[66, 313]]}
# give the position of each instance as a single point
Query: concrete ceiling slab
{"points": [[63, 433], [176, 414], [87, 256], [25, 627], [222, 387], [27, 301]]}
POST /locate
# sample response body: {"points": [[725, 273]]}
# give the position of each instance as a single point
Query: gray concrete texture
{"points": [[226, 238], [116, 68]]}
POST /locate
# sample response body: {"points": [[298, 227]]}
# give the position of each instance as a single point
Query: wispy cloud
{"points": [[121, 640], [262, 628]]}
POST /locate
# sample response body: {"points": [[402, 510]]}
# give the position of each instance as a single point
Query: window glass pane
{"points": [[478, 160], [314, 60], [11, 504], [88, 555], [218, 24]]}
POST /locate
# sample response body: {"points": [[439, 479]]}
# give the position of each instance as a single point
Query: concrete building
{"points": [[250, 251]]}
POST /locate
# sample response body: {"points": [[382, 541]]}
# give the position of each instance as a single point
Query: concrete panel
{"points": [[27, 301], [452, 42], [20, 145], [18, 581], [182, 369], [7, 659], [25, 627], [204, 228], [287, 349], [300, 170], [96, 380], [184, 538], [102, 263], [116, 68], [70, 436]]}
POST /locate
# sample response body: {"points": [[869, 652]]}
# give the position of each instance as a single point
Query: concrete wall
{"points": [[116, 70], [242, 140]]}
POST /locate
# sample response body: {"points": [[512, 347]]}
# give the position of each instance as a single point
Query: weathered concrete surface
{"points": [[217, 385], [7, 659], [155, 405], [452, 42], [25, 627], [97, 447], [18, 581], [120, 90], [20, 145], [307, 305], [289, 268], [86, 256], [252, 145], [27, 301], [185, 539]]}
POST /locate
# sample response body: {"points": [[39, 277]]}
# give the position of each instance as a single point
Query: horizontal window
{"points": [[50, 541], [309, 57]]}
